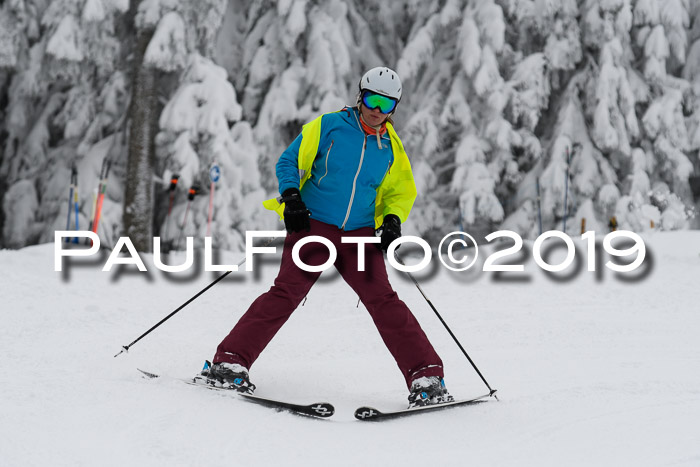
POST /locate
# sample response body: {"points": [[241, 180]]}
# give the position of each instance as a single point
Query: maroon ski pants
{"points": [[396, 324]]}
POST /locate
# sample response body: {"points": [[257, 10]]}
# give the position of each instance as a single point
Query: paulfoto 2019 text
{"points": [[454, 241]]}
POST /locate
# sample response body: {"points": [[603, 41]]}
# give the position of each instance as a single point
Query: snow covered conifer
{"points": [[173, 37], [288, 86], [61, 55], [661, 32], [194, 134], [468, 160]]}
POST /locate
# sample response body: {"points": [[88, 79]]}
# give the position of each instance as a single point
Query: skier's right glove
{"points": [[389, 231], [296, 216]]}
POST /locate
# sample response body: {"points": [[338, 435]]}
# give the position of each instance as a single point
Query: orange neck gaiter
{"points": [[371, 131]]}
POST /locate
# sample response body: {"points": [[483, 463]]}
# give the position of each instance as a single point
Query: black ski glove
{"points": [[296, 216], [389, 231]]}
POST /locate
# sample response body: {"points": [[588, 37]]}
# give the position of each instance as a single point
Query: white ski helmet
{"points": [[382, 80]]}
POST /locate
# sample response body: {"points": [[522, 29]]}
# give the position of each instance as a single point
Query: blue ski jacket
{"points": [[347, 177]]}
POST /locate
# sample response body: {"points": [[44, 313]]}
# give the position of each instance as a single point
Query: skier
{"points": [[355, 178]]}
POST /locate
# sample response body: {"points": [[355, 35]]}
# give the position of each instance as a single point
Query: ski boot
{"points": [[428, 390], [226, 376]]}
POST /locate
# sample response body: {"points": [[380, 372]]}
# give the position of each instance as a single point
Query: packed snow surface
{"points": [[592, 370]]}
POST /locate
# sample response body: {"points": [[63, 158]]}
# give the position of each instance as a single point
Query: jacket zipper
{"points": [[386, 172], [354, 182], [327, 156]]}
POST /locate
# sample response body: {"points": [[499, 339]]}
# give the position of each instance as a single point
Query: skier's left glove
{"points": [[389, 231], [296, 216]]}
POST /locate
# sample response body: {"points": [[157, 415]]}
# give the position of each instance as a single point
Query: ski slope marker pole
{"points": [[125, 348], [92, 213], [211, 208], [104, 175], [214, 174], [566, 189], [70, 200], [194, 190], [172, 189], [539, 205], [492, 392], [76, 201]]}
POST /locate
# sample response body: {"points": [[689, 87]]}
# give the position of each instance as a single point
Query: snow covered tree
{"points": [[195, 135], [294, 60], [471, 133], [62, 98], [619, 158], [439, 117], [691, 73], [660, 30], [194, 126]]}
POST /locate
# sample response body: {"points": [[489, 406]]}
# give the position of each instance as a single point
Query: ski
{"points": [[372, 414], [316, 410]]}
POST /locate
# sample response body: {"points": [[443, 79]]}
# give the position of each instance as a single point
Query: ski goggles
{"points": [[372, 100]]}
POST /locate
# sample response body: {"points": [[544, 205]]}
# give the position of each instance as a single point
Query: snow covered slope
{"points": [[590, 371]]}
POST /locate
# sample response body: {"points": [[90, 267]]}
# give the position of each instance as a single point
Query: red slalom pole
{"points": [[104, 174]]}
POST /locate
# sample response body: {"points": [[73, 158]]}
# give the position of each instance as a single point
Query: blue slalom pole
{"points": [[77, 213], [73, 193], [70, 200], [539, 205], [566, 185]]}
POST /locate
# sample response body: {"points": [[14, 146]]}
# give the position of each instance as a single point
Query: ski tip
{"points": [[315, 410], [323, 409], [367, 413]]}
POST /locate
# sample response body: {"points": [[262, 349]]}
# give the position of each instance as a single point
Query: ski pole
{"points": [[492, 392], [125, 348]]}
